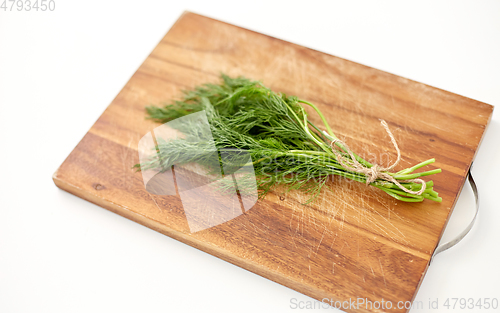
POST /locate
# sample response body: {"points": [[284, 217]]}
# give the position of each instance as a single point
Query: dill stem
{"points": [[304, 127], [416, 175], [332, 135], [357, 157], [416, 167], [330, 132]]}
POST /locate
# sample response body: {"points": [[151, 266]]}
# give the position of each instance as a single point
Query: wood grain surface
{"points": [[354, 241]]}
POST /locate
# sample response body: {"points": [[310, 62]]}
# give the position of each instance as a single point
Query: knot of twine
{"points": [[376, 171]]}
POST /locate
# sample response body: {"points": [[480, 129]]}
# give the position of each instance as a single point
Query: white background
{"points": [[58, 72]]}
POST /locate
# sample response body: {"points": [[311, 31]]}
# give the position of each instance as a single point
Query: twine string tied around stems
{"points": [[376, 171]]}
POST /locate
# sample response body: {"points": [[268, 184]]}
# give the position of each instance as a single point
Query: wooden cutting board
{"points": [[354, 241]]}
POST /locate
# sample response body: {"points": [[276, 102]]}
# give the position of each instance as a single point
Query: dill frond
{"points": [[273, 128]]}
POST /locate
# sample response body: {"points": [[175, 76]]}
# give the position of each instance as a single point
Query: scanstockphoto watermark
{"points": [[353, 304], [447, 304], [27, 5]]}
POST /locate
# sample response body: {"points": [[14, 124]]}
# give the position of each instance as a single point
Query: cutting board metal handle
{"points": [[460, 236]]}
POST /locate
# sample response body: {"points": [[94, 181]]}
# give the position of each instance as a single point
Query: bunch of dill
{"points": [[285, 147]]}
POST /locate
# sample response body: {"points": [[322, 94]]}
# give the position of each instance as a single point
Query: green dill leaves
{"points": [[284, 146]]}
